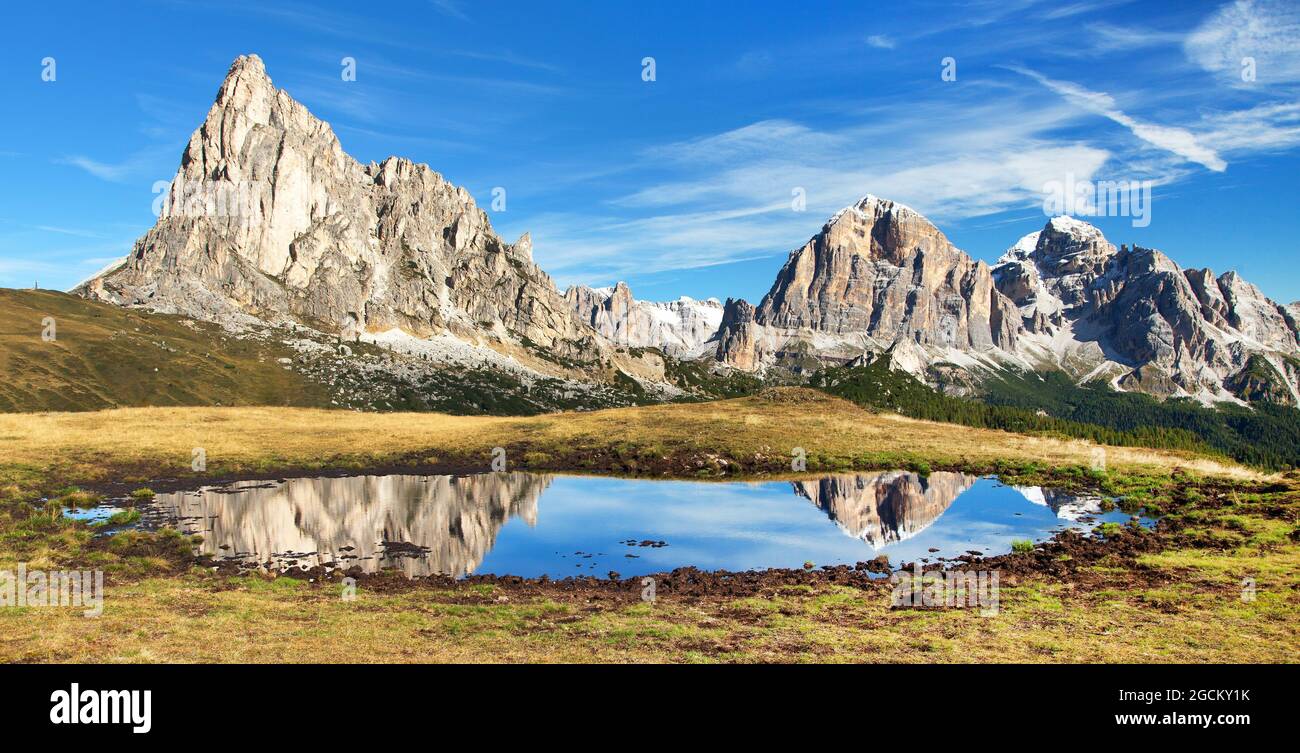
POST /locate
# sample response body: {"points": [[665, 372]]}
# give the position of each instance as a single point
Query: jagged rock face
{"points": [[1133, 316], [676, 327], [877, 273], [286, 225], [1260, 380], [884, 508]]}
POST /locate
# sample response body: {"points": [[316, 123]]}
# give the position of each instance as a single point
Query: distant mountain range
{"points": [[271, 224], [881, 279]]}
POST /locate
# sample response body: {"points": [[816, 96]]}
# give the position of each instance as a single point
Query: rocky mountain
{"points": [[675, 327], [881, 279], [878, 274], [1062, 504], [1133, 317], [269, 220]]}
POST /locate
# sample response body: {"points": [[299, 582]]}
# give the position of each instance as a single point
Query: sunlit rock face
{"points": [[434, 524], [269, 218], [677, 327], [887, 507], [877, 274]]}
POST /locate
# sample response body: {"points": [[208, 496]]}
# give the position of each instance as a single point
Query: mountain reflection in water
{"points": [[886, 507], [419, 524], [458, 525]]}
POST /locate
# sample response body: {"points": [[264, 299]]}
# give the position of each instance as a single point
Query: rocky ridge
{"points": [[877, 275], [884, 508]]}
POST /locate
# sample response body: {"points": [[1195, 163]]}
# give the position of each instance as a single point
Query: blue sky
{"points": [[683, 185]]}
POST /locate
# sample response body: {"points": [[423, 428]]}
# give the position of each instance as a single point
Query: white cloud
{"points": [[96, 168], [881, 41], [1170, 138], [68, 231], [1265, 30]]}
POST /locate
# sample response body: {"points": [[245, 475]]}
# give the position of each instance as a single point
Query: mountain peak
{"points": [[246, 75], [872, 206], [879, 271], [1067, 237], [1064, 223], [1022, 248], [316, 238], [676, 327], [250, 63]]}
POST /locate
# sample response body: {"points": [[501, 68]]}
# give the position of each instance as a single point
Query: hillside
{"points": [[105, 356], [1266, 434]]}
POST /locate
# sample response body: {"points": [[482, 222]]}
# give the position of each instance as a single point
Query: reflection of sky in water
{"points": [[736, 526], [91, 514], [530, 525]]}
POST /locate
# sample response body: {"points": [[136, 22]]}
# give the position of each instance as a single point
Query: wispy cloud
{"points": [[1111, 38], [1263, 128], [68, 231], [157, 162], [731, 194], [1071, 10], [1264, 30], [94, 167], [880, 41], [449, 8], [1179, 141], [507, 58]]}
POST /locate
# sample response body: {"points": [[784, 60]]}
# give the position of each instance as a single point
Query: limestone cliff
{"points": [[269, 219]]}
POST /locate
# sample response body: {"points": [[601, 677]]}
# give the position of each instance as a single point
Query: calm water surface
{"points": [[533, 524]]}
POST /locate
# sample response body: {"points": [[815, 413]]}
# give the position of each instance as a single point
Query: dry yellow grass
{"points": [[90, 446]]}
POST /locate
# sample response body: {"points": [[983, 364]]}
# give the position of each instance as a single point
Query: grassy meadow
{"points": [[1175, 598]]}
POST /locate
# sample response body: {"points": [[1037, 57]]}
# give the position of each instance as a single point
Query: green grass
{"points": [[121, 518]]}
